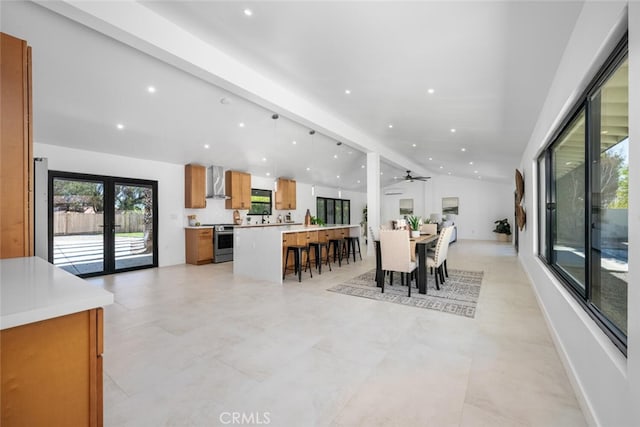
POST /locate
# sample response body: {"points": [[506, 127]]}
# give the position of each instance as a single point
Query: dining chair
{"points": [[440, 254], [395, 253], [429, 229]]}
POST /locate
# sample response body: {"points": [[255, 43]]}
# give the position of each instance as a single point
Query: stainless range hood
{"points": [[215, 182]]}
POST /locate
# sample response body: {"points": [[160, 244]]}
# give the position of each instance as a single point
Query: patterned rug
{"points": [[458, 295]]}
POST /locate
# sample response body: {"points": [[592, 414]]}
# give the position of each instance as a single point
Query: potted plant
{"points": [[502, 230], [414, 224]]}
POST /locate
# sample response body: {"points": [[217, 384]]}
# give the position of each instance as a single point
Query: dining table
{"points": [[420, 245]]}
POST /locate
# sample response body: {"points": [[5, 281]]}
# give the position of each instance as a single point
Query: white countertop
{"points": [[275, 224], [199, 227], [298, 228], [32, 290]]}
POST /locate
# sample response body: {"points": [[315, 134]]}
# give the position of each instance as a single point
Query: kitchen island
{"points": [[258, 251], [51, 332]]}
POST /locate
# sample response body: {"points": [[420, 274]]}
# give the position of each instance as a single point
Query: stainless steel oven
{"points": [[223, 243]]}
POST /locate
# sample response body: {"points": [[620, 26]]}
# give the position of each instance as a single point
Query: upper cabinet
{"points": [[286, 194], [195, 186], [237, 189], [16, 149]]}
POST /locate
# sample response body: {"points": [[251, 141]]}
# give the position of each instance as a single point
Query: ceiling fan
{"points": [[415, 178]]}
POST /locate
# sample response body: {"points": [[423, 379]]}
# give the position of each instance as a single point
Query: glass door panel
{"points": [[78, 225], [133, 225], [569, 245]]}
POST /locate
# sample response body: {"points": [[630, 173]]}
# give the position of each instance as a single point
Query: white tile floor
{"points": [[190, 345]]}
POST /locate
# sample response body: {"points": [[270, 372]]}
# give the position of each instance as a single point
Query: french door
{"points": [[102, 224]]}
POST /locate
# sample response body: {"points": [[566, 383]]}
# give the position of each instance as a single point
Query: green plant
{"points": [[317, 221], [414, 222], [502, 226]]}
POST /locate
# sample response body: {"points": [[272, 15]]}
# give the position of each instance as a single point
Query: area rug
{"points": [[458, 295]]}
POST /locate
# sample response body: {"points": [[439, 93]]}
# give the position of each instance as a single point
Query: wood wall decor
{"points": [[521, 216]]}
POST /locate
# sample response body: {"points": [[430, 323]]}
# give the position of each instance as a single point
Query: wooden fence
{"points": [[65, 223]]}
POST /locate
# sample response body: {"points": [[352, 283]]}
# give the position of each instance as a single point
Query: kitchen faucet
{"points": [[263, 214]]}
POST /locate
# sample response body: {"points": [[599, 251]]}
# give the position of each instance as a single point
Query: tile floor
{"points": [[195, 346]]}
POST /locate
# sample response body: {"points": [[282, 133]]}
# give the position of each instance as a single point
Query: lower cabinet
{"points": [[199, 245], [52, 371]]}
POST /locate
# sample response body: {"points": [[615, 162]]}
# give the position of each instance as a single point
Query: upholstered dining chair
{"points": [[395, 253], [440, 254], [429, 229]]}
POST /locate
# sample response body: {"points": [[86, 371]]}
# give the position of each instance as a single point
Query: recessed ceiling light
{"points": [[120, 126], [471, 163], [430, 158], [430, 91], [453, 130], [381, 173], [441, 167], [248, 12], [264, 159], [390, 126], [463, 149], [413, 145], [225, 101], [268, 173], [448, 173], [308, 169], [241, 124], [395, 177], [362, 166], [151, 89], [475, 171], [294, 142], [480, 177], [358, 181], [338, 176], [335, 156], [206, 145], [347, 91]]}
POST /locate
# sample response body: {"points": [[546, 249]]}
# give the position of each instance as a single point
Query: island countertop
{"points": [[32, 290], [257, 251]]}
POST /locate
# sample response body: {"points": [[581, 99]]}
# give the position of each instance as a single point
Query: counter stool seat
{"points": [[351, 246], [318, 246], [298, 251]]}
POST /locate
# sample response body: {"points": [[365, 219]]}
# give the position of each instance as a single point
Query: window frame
{"points": [[545, 186], [270, 204], [323, 215]]}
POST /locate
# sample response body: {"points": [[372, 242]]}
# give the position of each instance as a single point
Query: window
{"points": [[260, 202], [333, 211], [583, 179]]}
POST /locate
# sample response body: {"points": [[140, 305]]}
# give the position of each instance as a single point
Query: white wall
{"points": [[600, 373], [480, 203], [172, 216], [170, 179]]}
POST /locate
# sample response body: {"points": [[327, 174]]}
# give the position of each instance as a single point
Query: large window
{"points": [[583, 187], [333, 211], [260, 202]]}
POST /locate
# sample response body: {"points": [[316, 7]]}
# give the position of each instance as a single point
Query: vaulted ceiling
{"points": [[445, 87]]}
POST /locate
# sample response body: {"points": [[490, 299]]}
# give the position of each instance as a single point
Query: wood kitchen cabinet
{"points": [[16, 149], [238, 189], [286, 194], [195, 186], [199, 245], [52, 371]]}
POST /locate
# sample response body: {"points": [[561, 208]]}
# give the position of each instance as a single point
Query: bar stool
{"points": [[351, 246], [318, 246], [298, 251], [338, 247]]}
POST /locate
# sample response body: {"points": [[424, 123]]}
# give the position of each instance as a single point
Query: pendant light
{"points": [[275, 117], [313, 145]]}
